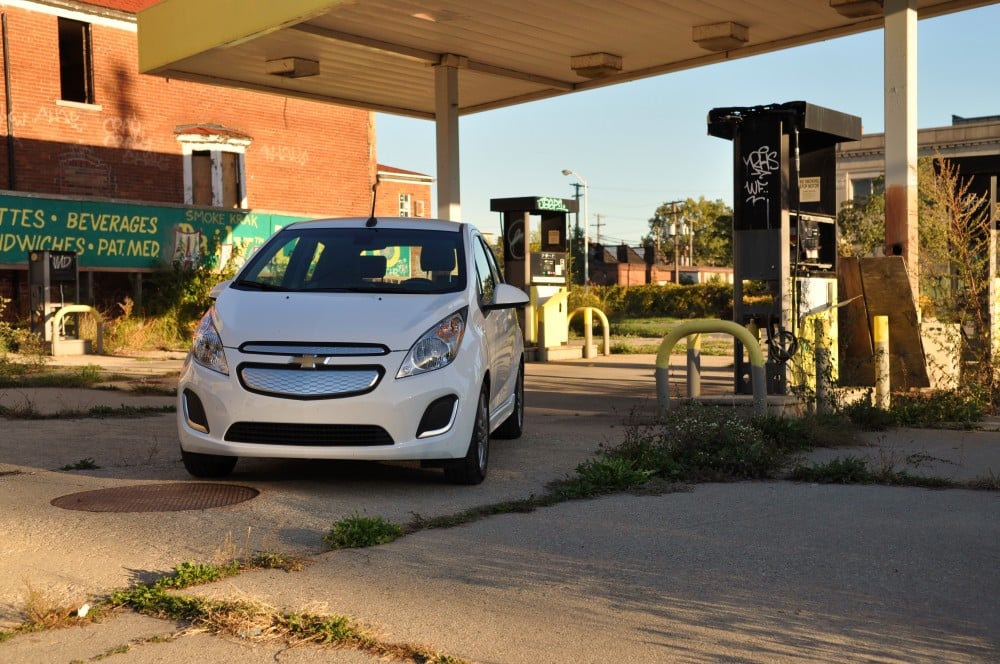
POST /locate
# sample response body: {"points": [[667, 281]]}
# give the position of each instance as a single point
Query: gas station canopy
{"points": [[381, 54]]}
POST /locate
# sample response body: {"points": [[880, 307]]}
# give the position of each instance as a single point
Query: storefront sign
{"points": [[127, 236]]}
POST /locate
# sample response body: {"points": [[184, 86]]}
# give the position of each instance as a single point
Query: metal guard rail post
{"points": [[77, 309], [588, 322], [757, 374]]}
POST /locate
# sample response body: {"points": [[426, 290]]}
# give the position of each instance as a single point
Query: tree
{"points": [[862, 224], [710, 221]]}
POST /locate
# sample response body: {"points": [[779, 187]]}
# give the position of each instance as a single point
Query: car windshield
{"points": [[352, 259]]}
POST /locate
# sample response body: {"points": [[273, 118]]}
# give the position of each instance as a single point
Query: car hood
{"points": [[393, 320]]}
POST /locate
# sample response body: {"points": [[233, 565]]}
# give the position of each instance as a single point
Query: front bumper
{"points": [[217, 414]]}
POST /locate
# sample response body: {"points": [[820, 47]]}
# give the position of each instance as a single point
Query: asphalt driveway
{"points": [[741, 572]]}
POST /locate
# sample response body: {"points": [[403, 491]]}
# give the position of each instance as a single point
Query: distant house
{"points": [[634, 266], [403, 193]]}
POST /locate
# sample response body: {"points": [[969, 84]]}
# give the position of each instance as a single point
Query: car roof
{"points": [[384, 222]]}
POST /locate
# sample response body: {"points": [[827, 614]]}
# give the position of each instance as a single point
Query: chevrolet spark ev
{"points": [[375, 339]]}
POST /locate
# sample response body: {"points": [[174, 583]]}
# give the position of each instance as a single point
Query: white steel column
{"points": [[446, 121], [901, 135]]}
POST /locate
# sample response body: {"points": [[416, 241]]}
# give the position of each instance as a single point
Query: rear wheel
{"points": [[471, 469], [514, 424], [208, 465]]}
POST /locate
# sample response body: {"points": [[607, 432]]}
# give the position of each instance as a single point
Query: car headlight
{"points": [[436, 348], [207, 349]]}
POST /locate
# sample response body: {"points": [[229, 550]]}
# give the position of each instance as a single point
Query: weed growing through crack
{"points": [[83, 464], [358, 531], [988, 482], [29, 412], [854, 470], [255, 621], [43, 611], [842, 470]]}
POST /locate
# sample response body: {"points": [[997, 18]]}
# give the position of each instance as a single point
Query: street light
{"points": [[586, 221]]}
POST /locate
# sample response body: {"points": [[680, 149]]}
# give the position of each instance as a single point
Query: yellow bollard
{"points": [[880, 332]]}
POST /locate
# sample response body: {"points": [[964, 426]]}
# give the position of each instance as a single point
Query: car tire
{"points": [[471, 469], [514, 424], [208, 465]]}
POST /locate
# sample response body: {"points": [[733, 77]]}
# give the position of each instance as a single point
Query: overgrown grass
{"points": [[961, 408], [18, 374]]}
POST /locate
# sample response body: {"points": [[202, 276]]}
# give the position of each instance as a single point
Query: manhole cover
{"points": [[157, 497]]}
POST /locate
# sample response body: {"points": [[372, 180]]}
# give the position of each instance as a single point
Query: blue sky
{"points": [[642, 143]]}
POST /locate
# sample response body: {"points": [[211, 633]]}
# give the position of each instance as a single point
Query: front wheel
{"points": [[208, 465], [471, 469]]}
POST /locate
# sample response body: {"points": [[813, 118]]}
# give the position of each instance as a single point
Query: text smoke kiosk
{"points": [[544, 275], [784, 224]]}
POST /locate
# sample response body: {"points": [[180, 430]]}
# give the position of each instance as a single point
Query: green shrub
{"points": [[710, 300], [697, 442]]}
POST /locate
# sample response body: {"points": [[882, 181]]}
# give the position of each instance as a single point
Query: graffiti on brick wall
{"points": [[148, 159], [126, 133], [286, 153], [60, 115]]}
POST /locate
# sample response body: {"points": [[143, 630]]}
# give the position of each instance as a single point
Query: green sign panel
{"points": [[127, 236]]}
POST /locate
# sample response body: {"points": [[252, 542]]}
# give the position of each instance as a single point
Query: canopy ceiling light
{"points": [[292, 67], [596, 65], [857, 8], [720, 36]]}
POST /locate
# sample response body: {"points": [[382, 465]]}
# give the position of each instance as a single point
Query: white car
{"points": [[375, 339]]}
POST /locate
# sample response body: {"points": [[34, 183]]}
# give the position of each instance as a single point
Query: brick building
{"points": [[403, 193], [132, 172]]}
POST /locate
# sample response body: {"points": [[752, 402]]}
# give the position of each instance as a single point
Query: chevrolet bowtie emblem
{"points": [[308, 361]]}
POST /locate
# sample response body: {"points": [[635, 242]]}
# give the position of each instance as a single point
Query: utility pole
{"points": [[598, 225], [672, 231]]}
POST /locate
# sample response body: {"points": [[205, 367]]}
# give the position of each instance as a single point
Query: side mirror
{"points": [[218, 288], [507, 297]]}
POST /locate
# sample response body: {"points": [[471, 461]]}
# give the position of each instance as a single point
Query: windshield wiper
{"points": [[259, 285]]}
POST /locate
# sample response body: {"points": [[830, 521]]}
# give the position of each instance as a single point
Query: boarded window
{"points": [[230, 179], [201, 177], [76, 71]]}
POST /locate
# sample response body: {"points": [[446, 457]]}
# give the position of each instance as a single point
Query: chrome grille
{"points": [[318, 383], [323, 350]]}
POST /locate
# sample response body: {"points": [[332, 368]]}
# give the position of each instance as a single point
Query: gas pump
{"points": [[543, 274], [784, 226], [53, 282]]}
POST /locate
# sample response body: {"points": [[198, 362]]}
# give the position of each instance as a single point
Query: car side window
{"points": [[498, 273], [486, 280]]}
